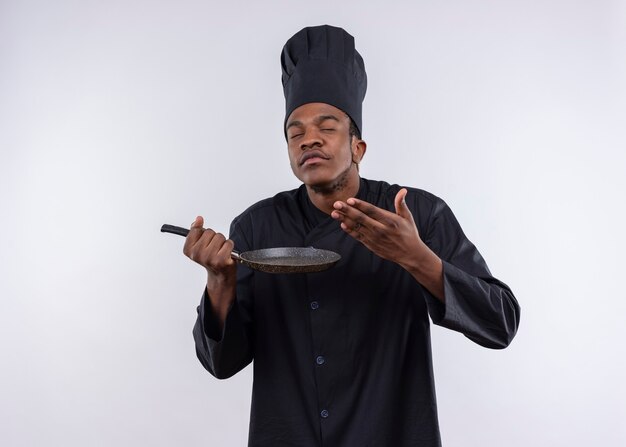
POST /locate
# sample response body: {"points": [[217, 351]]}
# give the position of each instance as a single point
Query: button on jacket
{"points": [[343, 357]]}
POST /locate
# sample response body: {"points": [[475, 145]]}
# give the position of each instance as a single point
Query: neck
{"points": [[344, 187]]}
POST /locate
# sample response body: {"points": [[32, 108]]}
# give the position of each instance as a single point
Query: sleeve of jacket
{"points": [[226, 353], [476, 304]]}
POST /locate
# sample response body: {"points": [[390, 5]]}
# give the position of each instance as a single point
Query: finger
{"points": [[352, 219], [371, 211], [215, 244], [198, 222], [220, 251], [360, 226], [197, 249], [225, 252], [195, 232], [353, 216], [402, 209], [356, 231], [204, 242]]}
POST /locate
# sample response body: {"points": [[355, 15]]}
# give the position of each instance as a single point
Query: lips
{"points": [[312, 154]]}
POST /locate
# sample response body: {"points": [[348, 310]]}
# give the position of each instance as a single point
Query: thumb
{"points": [[198, 222], [402, 209]]}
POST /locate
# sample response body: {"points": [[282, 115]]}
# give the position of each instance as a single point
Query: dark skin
{"points": [[325, 157], [322, 154]]}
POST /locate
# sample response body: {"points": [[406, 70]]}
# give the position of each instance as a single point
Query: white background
{"points": [[119, 116]]}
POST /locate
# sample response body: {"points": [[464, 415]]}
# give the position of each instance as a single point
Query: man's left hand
{"points": [[392, 236]]}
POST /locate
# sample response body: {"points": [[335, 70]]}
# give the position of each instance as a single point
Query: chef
{"points": [[342, 357]]}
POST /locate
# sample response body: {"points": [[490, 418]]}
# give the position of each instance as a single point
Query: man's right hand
{"points": [[212, 251]]}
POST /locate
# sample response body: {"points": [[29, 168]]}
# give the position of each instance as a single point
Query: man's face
{"points": [[320, 147]]}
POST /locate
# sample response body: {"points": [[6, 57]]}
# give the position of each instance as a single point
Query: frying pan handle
{"points": [[184, 232], [175, 230]]}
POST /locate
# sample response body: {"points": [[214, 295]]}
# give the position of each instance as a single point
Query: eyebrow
{"points": [[319, 120], [293, 123]]}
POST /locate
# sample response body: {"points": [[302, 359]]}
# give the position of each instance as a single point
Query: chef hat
{"points": [[320, 64]]}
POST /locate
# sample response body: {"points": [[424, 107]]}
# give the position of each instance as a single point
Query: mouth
{"points": [[311, 157]]}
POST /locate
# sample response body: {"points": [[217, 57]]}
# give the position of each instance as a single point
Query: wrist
{"points": [[221, 290], [417, 258], [218, 281], [427, 269]]}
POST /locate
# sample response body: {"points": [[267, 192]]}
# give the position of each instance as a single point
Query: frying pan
{"points": [[277, 260]]}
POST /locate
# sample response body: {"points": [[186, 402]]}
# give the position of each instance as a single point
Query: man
{"points": [[342, 357]]}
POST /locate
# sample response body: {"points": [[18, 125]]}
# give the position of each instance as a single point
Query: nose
{"points": [[310, 139]]}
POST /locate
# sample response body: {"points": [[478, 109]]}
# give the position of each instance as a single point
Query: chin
{"points": [[321, 179], [317, 184], [312, 176], [327, 185]]}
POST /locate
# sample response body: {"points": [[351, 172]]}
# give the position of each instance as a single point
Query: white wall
{"points": [[116, 117]]}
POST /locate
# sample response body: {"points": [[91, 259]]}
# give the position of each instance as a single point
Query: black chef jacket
{"points": [[343, 357]]}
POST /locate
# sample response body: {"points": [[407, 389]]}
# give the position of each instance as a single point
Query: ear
{"points": [[359, 147]]}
